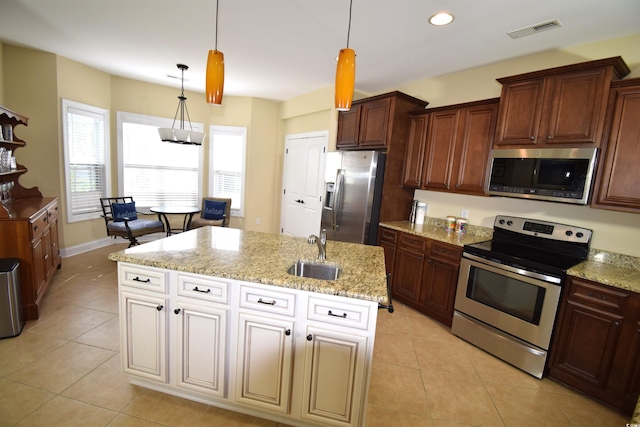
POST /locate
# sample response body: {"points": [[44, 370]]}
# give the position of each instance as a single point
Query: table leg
{"points": [[163, 217], [187, 221]]}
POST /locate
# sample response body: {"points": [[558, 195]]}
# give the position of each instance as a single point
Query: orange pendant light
{"points": [[215, 77], [345, 79], [215, 72], [345, 73]]}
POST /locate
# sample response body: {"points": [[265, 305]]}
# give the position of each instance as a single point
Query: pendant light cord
{"points": [[349, 29], [216, 44]]}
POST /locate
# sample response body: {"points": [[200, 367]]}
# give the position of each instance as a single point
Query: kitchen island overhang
{"points": [[213, 316]]}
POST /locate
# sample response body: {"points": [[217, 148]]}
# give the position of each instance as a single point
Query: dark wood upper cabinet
{"points": [[618, 182], [449, 147], [558, 106]]}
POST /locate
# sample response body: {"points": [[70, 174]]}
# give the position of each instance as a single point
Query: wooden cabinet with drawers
{"points": [[558, 106], [424, 272], [596, 346], [29, 232]]}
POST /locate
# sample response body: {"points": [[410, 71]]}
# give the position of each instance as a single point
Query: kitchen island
{"points": [[212, 315]]}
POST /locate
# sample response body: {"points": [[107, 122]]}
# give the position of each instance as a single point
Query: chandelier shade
{"points": [[345, 79], [215, 77], [180, 135]]}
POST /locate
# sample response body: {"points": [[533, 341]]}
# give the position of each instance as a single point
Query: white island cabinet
{"points": [[286, 351]]}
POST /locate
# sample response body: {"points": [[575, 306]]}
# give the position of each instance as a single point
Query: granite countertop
{"points": [[264, 258], [617, 270], [435, 229]]}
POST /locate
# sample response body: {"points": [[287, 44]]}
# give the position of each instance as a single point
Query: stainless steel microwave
{"points": [[553, 174]]}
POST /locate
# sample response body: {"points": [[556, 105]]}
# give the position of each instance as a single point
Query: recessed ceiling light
{"points": [[442, 18]]}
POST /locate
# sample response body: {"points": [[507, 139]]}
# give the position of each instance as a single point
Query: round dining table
{"points": [[187, 211]]}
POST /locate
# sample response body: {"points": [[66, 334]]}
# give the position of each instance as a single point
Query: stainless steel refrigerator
{"points": [[353, 193]]}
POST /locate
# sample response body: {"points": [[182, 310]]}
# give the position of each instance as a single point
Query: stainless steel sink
{"points": [[314, 271]]}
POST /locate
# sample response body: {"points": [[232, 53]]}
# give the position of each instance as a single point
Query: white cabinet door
{"points": [[334, 377], [144, 335], [201, 355], [264, 361]]}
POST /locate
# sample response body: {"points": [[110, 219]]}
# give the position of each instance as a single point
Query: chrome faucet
{"points": [[322, 243]]}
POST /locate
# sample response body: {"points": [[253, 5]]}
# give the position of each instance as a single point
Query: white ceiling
{"points": [[278, 49]]}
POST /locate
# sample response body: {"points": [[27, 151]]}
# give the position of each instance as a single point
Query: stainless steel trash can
{"points": [[11, 319]]}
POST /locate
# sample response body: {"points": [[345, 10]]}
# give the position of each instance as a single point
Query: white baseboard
{"points": [[101, 243]]}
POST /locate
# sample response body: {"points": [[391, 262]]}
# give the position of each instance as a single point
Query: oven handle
{"points": [[539, 276]]}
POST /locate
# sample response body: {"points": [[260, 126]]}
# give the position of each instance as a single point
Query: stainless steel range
{"points": [[509, 288]]}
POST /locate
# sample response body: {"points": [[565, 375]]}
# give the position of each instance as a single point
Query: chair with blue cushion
{"points": [[121, 219], [215, 212]]}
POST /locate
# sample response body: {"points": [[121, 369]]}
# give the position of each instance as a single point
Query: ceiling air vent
{"points": [[533, 29]]}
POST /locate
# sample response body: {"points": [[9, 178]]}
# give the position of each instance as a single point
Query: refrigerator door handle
{"points": [[337, 199]]}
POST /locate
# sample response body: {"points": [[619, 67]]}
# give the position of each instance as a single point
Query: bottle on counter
{"points": [[412, 215]]}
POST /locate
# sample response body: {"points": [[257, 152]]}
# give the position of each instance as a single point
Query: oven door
{"points": [[521, 306]]}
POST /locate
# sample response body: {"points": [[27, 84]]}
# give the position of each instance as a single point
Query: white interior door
{"points": [[303, 183]]}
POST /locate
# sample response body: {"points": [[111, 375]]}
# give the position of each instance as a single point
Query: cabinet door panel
{"points": [[440, 148], [438, 290], [348, 127], [471, 160], [588, 339], [576, 113], [618, 187], [374, 121], [334, 375], [408, 274], [264, 362], [414, 156], [201, 336], [144, 338], [520, 111]]}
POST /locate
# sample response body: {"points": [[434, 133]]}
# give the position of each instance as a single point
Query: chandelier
{"points": [[181, 135]]}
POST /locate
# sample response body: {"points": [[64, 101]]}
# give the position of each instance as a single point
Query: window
{"points": [[86, 159], [154, 172], [228, 147]]}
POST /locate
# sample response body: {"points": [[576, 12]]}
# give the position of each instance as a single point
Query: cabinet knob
{"points": [[287, 332], [309, 337], [160, 307], [532, 137], [176, 311], [549, 136]]}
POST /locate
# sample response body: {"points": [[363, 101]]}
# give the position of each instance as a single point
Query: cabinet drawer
{"points": [[37, 224], [352, 314], [446, 251], [52, 211], [610, 299], [149, 278], [413, 242], [202, 287], [388, 236], [271, 301]]}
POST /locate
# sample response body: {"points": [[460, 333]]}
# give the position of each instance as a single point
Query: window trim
{"points": [[145, 119], [68, 105], [241, 130]]}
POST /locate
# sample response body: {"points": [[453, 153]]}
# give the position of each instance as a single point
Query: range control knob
{"points": [[579, 235], [509, 223], [501, 221], [569, 233]]}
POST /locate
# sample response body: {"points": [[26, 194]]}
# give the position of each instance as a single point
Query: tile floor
{"points": [[63, 370]]}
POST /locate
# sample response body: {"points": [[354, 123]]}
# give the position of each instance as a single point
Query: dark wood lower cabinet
{"points": [[424, 272], [596, 347]]}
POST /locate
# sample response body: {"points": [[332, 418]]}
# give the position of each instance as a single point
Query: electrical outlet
{"points": [[464, 213], [257, 220]]}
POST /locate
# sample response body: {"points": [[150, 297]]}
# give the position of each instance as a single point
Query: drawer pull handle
{"points": [[160, 307], [272, 302], [35, 228], [287, 332], [602, 297], [176, 311], [344, 315], [200, 290], [137, 279]]}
